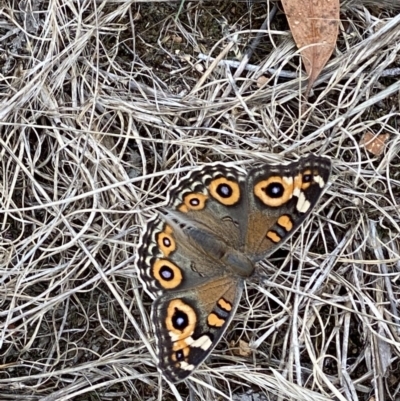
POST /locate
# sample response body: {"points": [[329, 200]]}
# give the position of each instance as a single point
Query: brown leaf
{"points": [[374, 143], [262, 80], [242, 350], [314, 26]]}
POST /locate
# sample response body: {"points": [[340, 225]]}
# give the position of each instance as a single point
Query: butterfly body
{"points": [[193, 258]]}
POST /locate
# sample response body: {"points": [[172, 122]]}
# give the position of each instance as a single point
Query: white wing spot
{"points": [[302, 204], [319, 180], [186, 366], [203, 342], [296, 192]]}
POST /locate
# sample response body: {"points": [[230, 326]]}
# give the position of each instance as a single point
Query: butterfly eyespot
{"points": [[180, 322], [167, 274], [193, 201], [165, 241], [179, 355], [225, 191], [304, 180], [275, 191]]}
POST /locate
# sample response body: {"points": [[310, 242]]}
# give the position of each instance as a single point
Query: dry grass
{"points": [[103, 105]]}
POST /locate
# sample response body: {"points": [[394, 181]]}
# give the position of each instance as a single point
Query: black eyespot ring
{"points": [[180, 320], [224, 191], [275, 190], [179, 355], [166, 273], [194, 202]]}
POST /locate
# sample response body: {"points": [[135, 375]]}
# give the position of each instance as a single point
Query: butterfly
{"points": [[194, 256]]}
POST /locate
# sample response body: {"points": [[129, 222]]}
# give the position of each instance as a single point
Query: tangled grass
{"points": [[103, 106]]}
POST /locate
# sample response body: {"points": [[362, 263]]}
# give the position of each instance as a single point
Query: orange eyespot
{"points": [[166, 241], [181, 351], [180, 322], [225, 191], [275, 191], [305, 179], [193, 201], [167, 274]]}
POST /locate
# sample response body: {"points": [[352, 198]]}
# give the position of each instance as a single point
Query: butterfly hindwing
{"points": [[172, 257], [188, 324]]}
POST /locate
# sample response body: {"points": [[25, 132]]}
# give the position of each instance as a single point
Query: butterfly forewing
{"points": [[279, 199], [212, 198]]}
